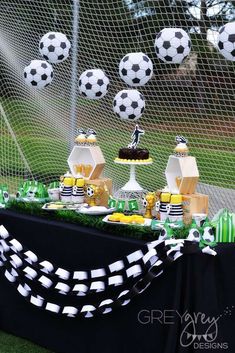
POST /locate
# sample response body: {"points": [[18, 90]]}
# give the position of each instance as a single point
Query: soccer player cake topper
{"points": [[136, 137]]}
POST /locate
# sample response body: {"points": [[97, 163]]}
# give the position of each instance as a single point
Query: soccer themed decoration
{"points": [[93, 84], [172, 45], [54, 47], [226, 41], [177, 214], [136, 69], [149, 203], [38, 74], [129, 104]]}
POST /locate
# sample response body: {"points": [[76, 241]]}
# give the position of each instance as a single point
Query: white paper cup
{"points": [[54, 194], [199, 218]]}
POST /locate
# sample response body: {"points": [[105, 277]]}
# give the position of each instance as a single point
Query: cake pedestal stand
{"points": [[132, 189]]}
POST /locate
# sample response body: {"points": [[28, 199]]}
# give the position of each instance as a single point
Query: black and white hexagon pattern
{"points": [[129, 104], [93, 84], [194, 235], [226, 41], [172, 45], [136, 69], [38, 74], [54, 47], [208, 234]]}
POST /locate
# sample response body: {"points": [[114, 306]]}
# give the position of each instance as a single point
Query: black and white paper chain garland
{"points": [[155, 260], [78, 283]]}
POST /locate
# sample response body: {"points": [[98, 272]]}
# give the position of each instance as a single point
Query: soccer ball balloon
{"points": [[38, 74], [172, 45], [93, 84], [136, 69], [54, 47], [129, 104], [226, 41]]}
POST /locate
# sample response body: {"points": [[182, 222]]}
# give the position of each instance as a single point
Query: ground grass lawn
{"points": [[12, 344], [47, 153]]}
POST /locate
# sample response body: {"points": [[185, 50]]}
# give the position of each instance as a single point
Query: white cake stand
{"points": [[132, 189], [132, 184]]}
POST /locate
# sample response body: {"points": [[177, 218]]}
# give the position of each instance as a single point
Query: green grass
{"points": [[13, 344], [47, 153], [137, 232]]}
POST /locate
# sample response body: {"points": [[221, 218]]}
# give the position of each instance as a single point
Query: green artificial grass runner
{"points": [[137, 232], [12, 344]]}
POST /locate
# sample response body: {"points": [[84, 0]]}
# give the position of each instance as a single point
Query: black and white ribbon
{"points": [[154, 261]]}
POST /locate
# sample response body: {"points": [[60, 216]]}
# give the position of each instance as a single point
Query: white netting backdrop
{"points": [[195, 99]]}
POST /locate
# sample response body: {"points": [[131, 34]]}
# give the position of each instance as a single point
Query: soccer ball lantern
{"points": [[226, 41], [93, 84], [136, 69], [172, 45], [38, 74], [129, 104], [54, 47]]}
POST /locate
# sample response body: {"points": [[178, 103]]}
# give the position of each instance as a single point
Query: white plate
{"points": [[94, 211], [147, 222], [67, 207]]}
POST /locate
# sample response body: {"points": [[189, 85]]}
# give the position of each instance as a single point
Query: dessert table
{"points": [[155, 321]]}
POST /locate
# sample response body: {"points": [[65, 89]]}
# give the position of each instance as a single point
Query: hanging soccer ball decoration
{"points": [[136, 69], [172, 45], [129, 104], [226, 41], [54, 47], [38, 74], [93, 84]]}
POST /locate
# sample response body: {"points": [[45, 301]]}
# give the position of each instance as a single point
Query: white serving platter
{"points": [[147, 222]]}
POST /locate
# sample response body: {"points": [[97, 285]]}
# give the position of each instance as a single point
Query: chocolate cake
{"points": [[133, 153]]}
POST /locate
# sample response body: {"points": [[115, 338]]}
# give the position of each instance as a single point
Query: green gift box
{"points": [[225, 228], [133, 205]]}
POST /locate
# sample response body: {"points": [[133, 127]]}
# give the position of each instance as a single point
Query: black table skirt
{"points": [[150, 324]]}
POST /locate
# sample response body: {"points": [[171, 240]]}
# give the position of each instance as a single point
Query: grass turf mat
{"points": [[137, 232], [13, 344]]}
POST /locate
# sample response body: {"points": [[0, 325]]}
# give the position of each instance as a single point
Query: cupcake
{"points": [[181, 150]]}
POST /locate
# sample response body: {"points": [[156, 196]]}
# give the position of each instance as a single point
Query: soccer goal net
{"points": [[194, 99]]}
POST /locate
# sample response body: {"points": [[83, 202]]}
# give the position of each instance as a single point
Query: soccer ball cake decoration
{"points": [[93, 84], [136, 69], [38, 74], [226, 41], [129, 104], [172, 45], [54, 47]]}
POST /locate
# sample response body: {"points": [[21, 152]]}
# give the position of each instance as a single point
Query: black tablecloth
{"points": [[194, 284]]}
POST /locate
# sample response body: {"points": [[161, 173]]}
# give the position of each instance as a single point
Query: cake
{"points": [[133, 154]]}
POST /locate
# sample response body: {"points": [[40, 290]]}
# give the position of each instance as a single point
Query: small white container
{"points": [[54, 194]]}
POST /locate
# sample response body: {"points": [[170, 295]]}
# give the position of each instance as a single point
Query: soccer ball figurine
{"points": [[129, 104], [38, 74], [136, 69], [208, 234], [226, 41], [54, 47], [172, 45], [194, 235], [93, 84]]}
